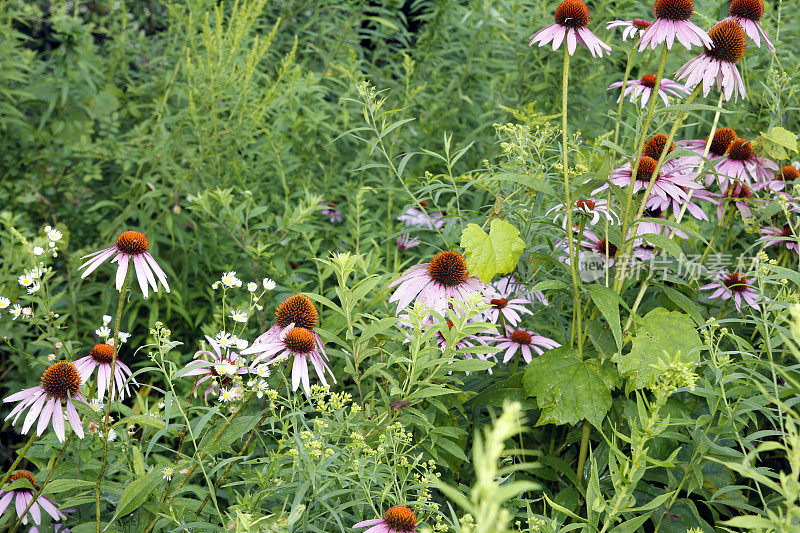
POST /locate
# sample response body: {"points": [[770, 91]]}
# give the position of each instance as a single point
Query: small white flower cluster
{"points": [[106, 333], [16, 310], [260, 385], [31, 279], [232, 394], [52, 236], [226, 340], [231, 281]]}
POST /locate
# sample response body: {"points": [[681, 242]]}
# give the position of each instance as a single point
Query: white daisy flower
{"points": [[26, 280], [16, 311], [168, 473], [103, 331], [224, 339], [34, 287], [4, 302], [252, 286], [38, 250], [230, 280], [268, 284], [241, 344], [54, 235], [106, 319], [239, 316]]}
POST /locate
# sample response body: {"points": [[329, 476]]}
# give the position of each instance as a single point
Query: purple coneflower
{"points": [[61, 382], [672, 21], [445, 276], [398, 519], [297, 310], [22, 498], [508, 286], [650, 227], [723, 137], [642, 89], [590, 210], [671, 182], [572, 17], [605, 249], [743, 165], [406, 242], [741, 196], [781, 179], [509, 310], [632, 28], [419, 218], [717, 64], [303, 345], [524, 342], [658, 203], [130, 246], [736, 286], [780, 236], [748, 13], [100, 357], [220, 369]]}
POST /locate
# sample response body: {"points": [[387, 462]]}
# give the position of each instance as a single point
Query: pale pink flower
{"points": [[572, 17], [100, 357], [406, 242], [631, 28], [303, 345], [742, 165], [22, 497], [672, 22], [716, 66], [219, 369], [736, 286], [785, 236], [588, 210], [748, 13], [642, 89], [524, 342], [671, 182], [398, 519], [131, 246], [61, 382], [509, 287], [432, 284], [418, 218]]}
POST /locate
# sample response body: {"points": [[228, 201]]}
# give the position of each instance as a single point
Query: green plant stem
{"points": [[19, 458], [586, 431], [640, 146], [104, 461], [45, 482], [576, 295]]}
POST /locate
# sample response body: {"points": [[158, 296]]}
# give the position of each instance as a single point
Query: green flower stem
{"points": [[20, 455], [586, 430], [104, 461], [576, 295], [620, 278], [643, 140], [45, 482]]}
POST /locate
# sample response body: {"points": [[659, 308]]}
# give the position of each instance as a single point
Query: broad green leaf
{"points": [[137, 492], [632, 525], [607, 301], [777, 141], [237, 429], [567, 389], [497, 393], [63, 485], [495, 253], [660, 335], [663, 242]]}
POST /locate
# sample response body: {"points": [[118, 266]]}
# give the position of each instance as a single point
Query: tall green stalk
{"points": [[115, 346]]}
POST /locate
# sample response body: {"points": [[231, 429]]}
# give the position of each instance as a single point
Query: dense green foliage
{"points": [[282, 139]]}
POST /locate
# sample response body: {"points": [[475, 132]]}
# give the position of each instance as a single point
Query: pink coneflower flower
{"points": [[642, 89], [741, 196], [605, 249], [723, 137], [219, 370], [672, 21], [743, 165], [419, 218], [588, 210], [302, 345], [406, 242], [100, 357], [781, 179], [572, 17], [130, 246], [645, 227], [662, 204], [736, 286], [398, 519], [509, 310], [717, 64], [297, 310], [22, 498], [632, 28], [508, 287], [61, 382], [748, 13], [524, 342], [671, 182], [780, 236], [446, 276]]}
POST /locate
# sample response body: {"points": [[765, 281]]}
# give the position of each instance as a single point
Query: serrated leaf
{"points": [[607, 301], [497, 393], [660, 334], [495, 253], [567, 389]]}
